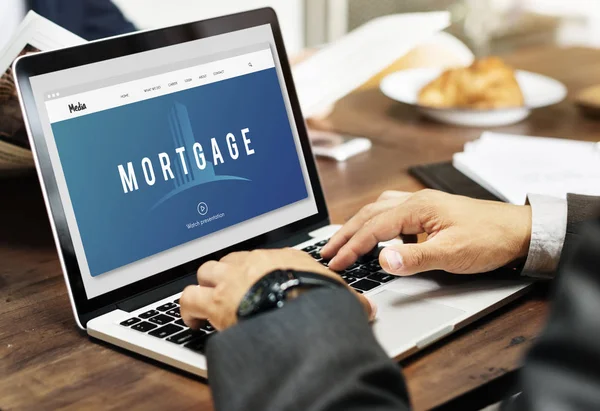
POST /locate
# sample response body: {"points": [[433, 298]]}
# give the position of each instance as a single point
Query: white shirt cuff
{"points": [[548, 232]]}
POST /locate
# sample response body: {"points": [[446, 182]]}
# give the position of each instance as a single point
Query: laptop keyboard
{"points": [[362, 276], [164, 321]]}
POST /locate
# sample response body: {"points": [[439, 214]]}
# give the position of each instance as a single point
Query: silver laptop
{"points": [[163, 149]]}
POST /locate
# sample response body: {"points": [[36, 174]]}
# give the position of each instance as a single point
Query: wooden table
{"points": [[46, 363]]}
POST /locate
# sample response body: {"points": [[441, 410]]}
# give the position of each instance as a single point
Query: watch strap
{"points": [[278, 284], [315, 280]]}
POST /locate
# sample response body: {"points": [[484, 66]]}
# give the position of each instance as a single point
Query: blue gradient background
{"points": [[118, 228]]}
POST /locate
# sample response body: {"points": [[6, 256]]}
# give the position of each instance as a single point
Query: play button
{"points": [[202, 208]]}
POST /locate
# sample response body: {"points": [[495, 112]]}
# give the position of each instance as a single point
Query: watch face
{"points": [[254, 297], [266, 294]]}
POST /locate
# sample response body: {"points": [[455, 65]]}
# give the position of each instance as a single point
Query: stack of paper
{"points": [[344, 65], [512, 166]]}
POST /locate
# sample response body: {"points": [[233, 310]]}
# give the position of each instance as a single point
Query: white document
{"points": [[39, 33], [337, 146], [512, 166], [344, 65], [35, 33]]}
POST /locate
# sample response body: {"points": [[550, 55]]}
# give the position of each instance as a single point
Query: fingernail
{"points": [[332, 262], [393, 258], [373, 310]]}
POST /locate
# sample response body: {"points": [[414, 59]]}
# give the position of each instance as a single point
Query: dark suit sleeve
{"points": [[562, 370], [103, 19], [581, 210], [316, 353]]}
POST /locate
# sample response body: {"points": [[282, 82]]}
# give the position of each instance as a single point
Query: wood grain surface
{"points": [[46, 363]]}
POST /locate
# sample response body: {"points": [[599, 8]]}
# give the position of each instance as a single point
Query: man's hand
{"points": [[223, 284], [464, 235]]}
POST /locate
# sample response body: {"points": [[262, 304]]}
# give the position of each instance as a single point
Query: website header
{"points": [[105, 98]]}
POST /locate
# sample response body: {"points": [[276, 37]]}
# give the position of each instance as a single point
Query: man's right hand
{"points": [[464, 235], [222, 284]]}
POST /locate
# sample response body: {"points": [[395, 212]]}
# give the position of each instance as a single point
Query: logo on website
{"points": [[195, 166], [78, 107]]}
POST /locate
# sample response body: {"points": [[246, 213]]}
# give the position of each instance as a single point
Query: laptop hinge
{"points": [[297, 238], [156, 294]]}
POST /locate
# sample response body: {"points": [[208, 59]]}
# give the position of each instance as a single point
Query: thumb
{"points": [[409, 259]]}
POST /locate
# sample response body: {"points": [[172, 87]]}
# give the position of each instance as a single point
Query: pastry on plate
{"points": [[588, 101], [486, 84]]}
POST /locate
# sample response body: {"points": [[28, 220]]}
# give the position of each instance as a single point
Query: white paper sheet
{"points": [[512, 166], [40, 33], [344, 65]]}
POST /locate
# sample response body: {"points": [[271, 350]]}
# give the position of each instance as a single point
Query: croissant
{"points": [[488, 83]]}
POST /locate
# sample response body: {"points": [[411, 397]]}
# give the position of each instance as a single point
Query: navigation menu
{"points": [[154, 86]]}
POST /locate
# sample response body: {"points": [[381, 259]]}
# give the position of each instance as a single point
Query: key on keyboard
{"points": [[199, 344], [165, 331], [365, 285], [131, 321], [186, 336], [161, 319], [144, 326], [148, 314], [310, 248], [381, 277], [174, 313], [373, 267], [358, 273], [371, 256], [348, 279], [207, 326], [316, 255], [166, 307]]}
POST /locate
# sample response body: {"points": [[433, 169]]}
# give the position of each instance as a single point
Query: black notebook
{"points": [[444, 177]]}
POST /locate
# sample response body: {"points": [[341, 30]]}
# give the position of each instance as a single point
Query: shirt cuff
{"points": [[548, 231]]}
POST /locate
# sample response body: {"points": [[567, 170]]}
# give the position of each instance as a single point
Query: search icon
{"points": [[250, 64]]}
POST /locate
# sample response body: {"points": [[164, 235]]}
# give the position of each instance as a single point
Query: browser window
{"points": [[161, 164]]}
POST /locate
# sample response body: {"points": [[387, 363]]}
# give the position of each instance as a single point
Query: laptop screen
{"points": [[164, 156]]}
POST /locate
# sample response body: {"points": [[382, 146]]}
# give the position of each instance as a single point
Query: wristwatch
{"points": [[272, 290]]}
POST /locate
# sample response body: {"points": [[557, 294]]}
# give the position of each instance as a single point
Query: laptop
{"points": [[160, 150]]}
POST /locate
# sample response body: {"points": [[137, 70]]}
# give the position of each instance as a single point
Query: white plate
{"points": [[538, 91]]}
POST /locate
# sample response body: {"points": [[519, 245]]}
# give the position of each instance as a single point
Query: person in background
{"points": [[90, 19], [316, 351]]}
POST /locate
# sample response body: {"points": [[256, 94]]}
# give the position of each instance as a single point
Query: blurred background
{"points": [[486, 26]]}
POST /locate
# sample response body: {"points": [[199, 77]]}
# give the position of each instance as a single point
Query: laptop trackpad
{"points": [[405, 320]]}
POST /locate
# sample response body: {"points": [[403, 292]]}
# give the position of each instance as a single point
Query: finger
{"points": [[196, 305], [339, 239], [382, 227], [212, 272], [236, 258], [409, 259]]}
